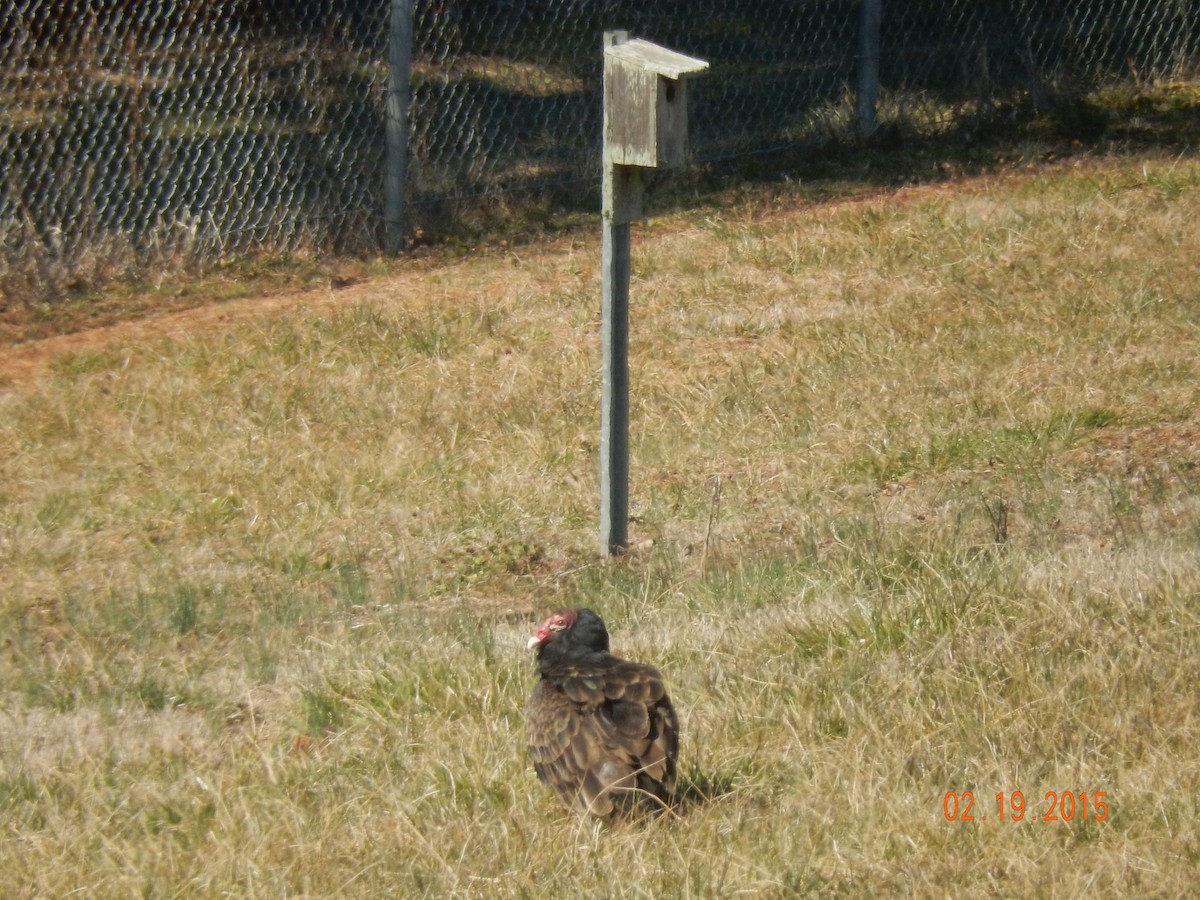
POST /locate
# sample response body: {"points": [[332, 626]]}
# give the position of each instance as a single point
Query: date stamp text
{"points": [[1055, 806]]}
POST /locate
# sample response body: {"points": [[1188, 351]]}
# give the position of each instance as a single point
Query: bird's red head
{"points": [[556, 624]]}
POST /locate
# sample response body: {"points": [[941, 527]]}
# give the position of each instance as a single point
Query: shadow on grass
{"points": [[699, 788], [1005, 134], [694, 790]]}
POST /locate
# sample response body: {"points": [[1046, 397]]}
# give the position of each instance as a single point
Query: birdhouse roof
{"points": [[653, 58]]}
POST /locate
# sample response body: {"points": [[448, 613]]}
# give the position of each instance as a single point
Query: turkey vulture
{"points": [[602, 731]]}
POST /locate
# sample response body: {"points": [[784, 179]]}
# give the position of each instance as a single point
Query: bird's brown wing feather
{"points": [[604, 737]]}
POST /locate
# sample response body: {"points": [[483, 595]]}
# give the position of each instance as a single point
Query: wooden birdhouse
{"points": [[645, 103]]}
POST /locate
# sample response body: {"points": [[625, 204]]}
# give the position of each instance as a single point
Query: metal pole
{"points": [[395, 176], [868, 66], [614, 391], [617, 196]]}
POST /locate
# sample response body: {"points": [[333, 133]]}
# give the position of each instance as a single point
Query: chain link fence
{"points": [[159, 130], [946, 65]]}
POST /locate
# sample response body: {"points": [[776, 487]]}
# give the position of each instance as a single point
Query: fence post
{"points": [[868, 66], [399, 92]]}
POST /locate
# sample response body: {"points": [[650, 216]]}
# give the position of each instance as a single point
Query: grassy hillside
{"points": [[916, 496]]}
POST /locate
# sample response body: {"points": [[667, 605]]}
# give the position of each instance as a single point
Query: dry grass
{"points": [[917, 496]]}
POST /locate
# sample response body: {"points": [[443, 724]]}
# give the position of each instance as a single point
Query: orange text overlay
{"points": [[1055, 806]]}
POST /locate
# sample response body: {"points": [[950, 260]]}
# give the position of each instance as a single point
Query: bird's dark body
{"points": [[602, 732]]}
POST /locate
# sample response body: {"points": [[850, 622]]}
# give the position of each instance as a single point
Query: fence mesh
{"points": [[209, 127]]}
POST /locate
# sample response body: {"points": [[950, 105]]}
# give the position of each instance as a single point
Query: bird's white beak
{"points": [[540, 637]]}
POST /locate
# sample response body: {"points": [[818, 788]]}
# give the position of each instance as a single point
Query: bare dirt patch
{"points": [[415, 283]]}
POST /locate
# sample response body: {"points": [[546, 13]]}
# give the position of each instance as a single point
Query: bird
{"points": [[602, 731]]}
